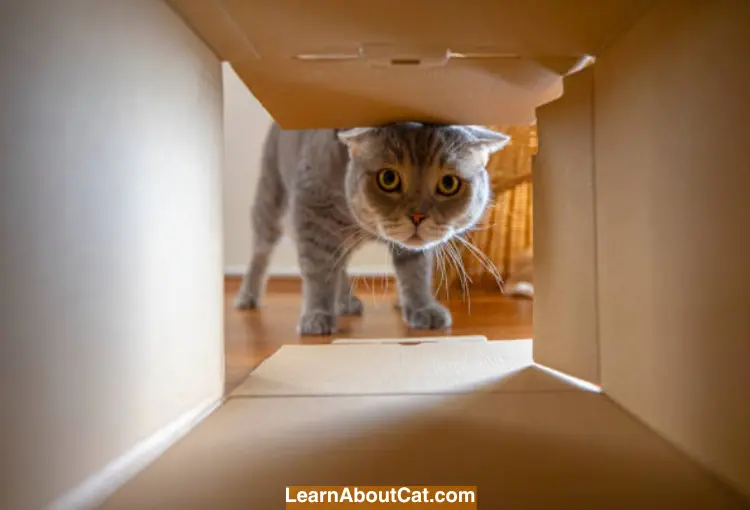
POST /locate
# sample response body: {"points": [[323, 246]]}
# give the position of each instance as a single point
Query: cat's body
{"points": [[343, 188]]}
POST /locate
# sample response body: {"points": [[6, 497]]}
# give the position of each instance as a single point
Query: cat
{"points": [[409, 185]]}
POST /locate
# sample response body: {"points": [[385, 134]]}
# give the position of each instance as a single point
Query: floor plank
{"points": [[251, 336]]}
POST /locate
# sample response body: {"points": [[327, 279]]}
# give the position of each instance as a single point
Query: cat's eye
{"points": [[389, 180], [448, 185]]}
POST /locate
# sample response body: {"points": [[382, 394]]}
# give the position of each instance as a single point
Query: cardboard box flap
{"points": [[565, 291], [393, 369], [340, 94], [339, 64], [412, 341]]}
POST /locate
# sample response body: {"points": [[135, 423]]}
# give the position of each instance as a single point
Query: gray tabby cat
{"points": [[412, 186]]}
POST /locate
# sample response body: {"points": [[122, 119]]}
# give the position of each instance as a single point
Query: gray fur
{"points": [[327, 181]]}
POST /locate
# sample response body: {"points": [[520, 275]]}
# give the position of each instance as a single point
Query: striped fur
{"points": [[326, 180]]}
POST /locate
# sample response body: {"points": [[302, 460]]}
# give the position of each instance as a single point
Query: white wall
{"points": [[245, 125], [110, 227]]}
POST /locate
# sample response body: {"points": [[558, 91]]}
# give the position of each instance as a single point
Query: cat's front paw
{"points": [[245, 301], [317, 323], [432, 316], [350, 305]]}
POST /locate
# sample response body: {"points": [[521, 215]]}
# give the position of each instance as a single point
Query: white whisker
{"points": [[347, 246], [463, 276], [385, 277], [439, 262], [484, 260], [482, 228]]}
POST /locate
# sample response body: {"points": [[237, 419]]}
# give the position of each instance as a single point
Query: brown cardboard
{"points": [[673, 227], [565, 315], [353, 63], [524, 450]]}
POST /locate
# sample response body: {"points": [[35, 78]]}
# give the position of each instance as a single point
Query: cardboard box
{"points": [[637, 391]]}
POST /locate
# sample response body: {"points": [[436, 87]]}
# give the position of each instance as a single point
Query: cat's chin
{"points": [[416, 243]]}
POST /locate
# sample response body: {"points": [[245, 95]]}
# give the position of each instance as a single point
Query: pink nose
{"points": [[417, 218]]}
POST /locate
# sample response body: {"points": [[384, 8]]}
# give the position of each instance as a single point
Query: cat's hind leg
{"points": [[266, 218], [251, 289]]}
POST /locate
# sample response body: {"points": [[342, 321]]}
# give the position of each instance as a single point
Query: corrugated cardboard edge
{"points": [[565, 294], [197, 15]]}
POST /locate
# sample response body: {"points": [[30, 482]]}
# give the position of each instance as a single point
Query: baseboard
{"points": [[235, 271], [97, 488], [368, 283], [240, 270], [285, 284]]}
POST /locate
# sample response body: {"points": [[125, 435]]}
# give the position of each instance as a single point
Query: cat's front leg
{"points": [[419, 307], [320, 280], [347, 302], [318, 303]]}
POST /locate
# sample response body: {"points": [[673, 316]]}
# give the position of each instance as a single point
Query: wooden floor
{"points": [[251, 336]]}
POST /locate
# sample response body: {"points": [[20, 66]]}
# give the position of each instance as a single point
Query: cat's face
{"points": [[419, 185]]}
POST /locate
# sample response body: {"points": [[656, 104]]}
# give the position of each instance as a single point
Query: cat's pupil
{"points": [[448, 181], [389, 177]]}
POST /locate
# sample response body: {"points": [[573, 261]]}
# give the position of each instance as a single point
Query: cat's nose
{"points": [[417, 218]]}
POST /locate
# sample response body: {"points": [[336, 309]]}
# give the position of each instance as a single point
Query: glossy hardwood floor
{"points": [[251, 336]]}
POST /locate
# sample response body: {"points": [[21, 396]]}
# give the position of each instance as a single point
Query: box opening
{"points": [[633, 391]]}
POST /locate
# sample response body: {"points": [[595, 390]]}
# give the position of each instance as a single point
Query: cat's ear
{"points": [[356, 139], [480, 141], [350, 135], [484, 140], [355, 136]]}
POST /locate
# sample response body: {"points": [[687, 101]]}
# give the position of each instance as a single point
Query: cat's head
{"points": [[418, 185]]}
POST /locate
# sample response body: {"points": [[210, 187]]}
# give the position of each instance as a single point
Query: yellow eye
{"points": [[448, 185], [389, 180]]}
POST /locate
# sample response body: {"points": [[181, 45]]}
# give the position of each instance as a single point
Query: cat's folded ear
{"points": [[486, 140], [482, 141], [353, 134], [355, 138]]}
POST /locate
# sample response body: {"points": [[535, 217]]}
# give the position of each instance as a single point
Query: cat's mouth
{"points": [[415, 241]]}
